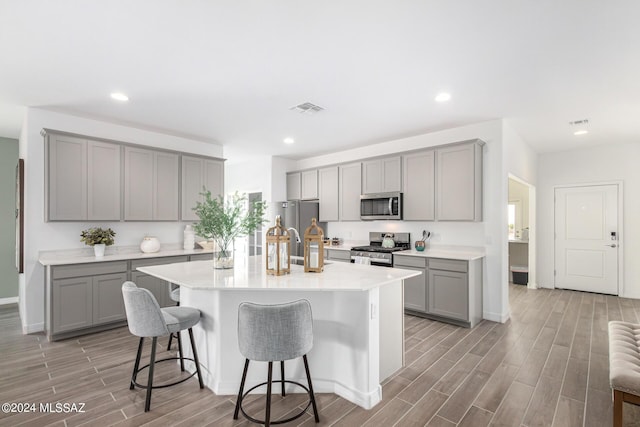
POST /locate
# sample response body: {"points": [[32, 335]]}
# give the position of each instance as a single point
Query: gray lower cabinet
{"points": [[158, 287], [415, 288], [108, 305], [449, 290], [85, 296], [337, 255]]}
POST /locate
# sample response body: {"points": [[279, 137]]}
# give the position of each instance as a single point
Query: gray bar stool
{"points": [[174, 295], [147, 319], [269, 333]]}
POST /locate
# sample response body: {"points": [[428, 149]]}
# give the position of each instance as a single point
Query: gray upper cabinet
{"points": [[294, 188], [151, 185], [67, 178], [103, 181], [82, 179], [350, 184], [382, 175], [459, 182], [419, 186], [198, 174], [328, 194], [309, 185]]}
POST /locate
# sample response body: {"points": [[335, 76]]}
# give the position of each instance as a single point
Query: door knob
{"points": [[613, 245]]}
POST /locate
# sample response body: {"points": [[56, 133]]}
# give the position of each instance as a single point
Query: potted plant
{"points": [[99, 238], [225, 221]]}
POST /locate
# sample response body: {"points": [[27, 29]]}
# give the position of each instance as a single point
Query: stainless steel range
{"points": [[379, 251]]}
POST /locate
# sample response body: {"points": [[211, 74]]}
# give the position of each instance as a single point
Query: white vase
{"points": [[98, 250], [150, 245]]}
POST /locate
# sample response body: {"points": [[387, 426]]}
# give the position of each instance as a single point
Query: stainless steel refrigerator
{"points": [[297, 214]]}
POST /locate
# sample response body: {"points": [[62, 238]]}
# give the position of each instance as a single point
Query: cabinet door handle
{"points": [[613, 245]]}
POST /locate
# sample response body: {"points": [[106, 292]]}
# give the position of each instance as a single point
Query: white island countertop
{"points": [[251, 275]]}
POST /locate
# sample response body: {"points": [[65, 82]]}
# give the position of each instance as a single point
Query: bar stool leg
{"points": [[180, 351], [152, 362], [282, 376], [241, 391], [170, 339], [267, 418], [195, 357], [312, 396], [137, 365]]}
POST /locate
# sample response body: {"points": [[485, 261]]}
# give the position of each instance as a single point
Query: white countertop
{"points": [[347, 245], [251, 275], [518, 241], [113, 253], [466, 253]]}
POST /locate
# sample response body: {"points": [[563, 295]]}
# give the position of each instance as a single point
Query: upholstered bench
{"points": [[624, 366]]}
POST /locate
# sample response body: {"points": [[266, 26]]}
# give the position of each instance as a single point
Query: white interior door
{"points": [[586, 244]]}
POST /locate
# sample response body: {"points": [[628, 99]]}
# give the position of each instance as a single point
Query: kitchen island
{"points": [[358, 322]]}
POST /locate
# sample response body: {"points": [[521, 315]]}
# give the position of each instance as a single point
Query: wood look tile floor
{"points": [[547, 366]]}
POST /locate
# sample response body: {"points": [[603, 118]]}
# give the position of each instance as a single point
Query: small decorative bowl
{"points": [[420, 245]]}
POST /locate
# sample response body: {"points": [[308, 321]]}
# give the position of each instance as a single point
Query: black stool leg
{"points": [[282, 376], [312, 396], [267, 418], [170, 339], [195, 357], [180, 351], [137, 365], [241, 391], [152, 363]]}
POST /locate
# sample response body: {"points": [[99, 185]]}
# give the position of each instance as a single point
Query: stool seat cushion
{"points": [[175, 295], [269, 333], [624, 356], [180, 318]]}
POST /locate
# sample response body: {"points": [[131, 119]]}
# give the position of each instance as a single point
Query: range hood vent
{"points": [[307, 108]]}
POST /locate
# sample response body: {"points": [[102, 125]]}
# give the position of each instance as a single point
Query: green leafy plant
{"points": [[97, 235], [225, 222]]}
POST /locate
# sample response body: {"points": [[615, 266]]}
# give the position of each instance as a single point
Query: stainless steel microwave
{"points": [[381, 206]]}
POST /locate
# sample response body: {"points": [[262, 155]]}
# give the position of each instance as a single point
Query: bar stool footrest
{"points": [[281, 421], [164, 385]]}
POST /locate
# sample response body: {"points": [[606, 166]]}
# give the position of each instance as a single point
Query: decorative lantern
{"points": [[278, 250], [313, 248]]}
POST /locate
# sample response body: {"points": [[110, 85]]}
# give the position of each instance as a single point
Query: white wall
{"points": [[40, 235], [487, 234], [521, 161], [585, 166]]}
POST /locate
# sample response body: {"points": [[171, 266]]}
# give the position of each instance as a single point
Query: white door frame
{"points": [[532, 230], [620, 185]]}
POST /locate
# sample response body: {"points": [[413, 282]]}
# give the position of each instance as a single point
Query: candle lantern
{"points": [[278, 250], [313, 248]]}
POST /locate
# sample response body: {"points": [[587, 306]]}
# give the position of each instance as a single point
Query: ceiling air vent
{"points": [[307, 108], [579, 122]]}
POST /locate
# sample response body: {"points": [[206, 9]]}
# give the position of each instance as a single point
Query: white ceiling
{"points": [[228, 71]]}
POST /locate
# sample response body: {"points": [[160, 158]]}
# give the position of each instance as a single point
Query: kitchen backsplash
{"points": [[442, 233]]}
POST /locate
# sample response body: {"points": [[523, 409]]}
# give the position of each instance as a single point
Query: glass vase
{"points": [[223, 255]]}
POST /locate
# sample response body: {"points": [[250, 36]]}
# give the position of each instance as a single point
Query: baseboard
{"points": [[10, 300], [31, 329], [496, 317], [532, 285]]}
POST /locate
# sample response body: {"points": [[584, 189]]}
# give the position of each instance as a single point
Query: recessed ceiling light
{"points": [[118, 96], [443, 97], [581, 132], [289, 141]]}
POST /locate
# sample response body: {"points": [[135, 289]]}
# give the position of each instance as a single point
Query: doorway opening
{"points": [[521, 222]]}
